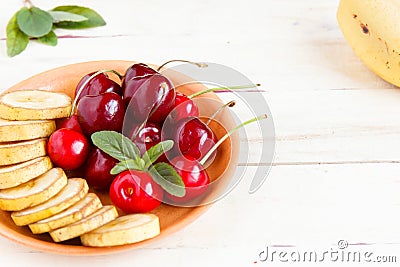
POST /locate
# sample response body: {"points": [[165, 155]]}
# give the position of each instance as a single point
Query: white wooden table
{"points": [[336, 171]]}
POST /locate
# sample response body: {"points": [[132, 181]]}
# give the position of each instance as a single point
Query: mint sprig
{"points": [[33, 23], [123, 149]]}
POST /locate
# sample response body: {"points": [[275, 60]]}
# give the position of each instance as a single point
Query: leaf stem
{"points": [[223, 138], [223, 88]]}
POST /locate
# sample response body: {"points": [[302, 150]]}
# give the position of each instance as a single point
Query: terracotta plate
{"points": [[172, 218]]}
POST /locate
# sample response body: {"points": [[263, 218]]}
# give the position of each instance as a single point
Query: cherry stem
{"points": [[198, 64], [223, 89], [226, 136], [80, 89], [230, 104]]}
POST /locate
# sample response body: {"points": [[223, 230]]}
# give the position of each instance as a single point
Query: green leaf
{"points": [[61, 16], [49, 39], [116, 145], [34, 21], [153, 153], [167, 177], [130, 164], [93, 18], [16, 39]]}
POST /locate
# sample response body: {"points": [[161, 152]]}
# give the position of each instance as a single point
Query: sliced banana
{"points": [[17, 152], [33, 192], [124, 230], [102, 216], [74, 191], [34, 105], [25, 130], [16, 174], [81, 209]]}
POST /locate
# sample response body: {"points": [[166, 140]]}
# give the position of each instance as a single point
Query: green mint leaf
{"points": [[49, 39], [167, 177], [93, 18], [34, 21], [130, 164], [16, 39], [62, 16], [116, 145], [156, 151]]}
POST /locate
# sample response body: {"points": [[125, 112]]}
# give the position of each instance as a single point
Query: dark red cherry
{"points": [[135, 191], [192, 138], [97, 169], [69, 123], [99, 84], [147, 137], [150, 94], [138, 69], [194, 177], [101, 112]]}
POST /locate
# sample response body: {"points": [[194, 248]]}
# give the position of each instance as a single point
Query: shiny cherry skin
{"points": [[101, 112], [138, 69], [147, 137], [135, 191], [184, 107], [68, 149], [70, 123], [194, 177], [192, 138], [99, 84], [97, 169], [149, 95]]}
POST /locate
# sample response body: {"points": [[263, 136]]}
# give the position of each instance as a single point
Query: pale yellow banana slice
{"points": [[16, 174], [25, 130], [17, 152], [74, 191], [33, 192], [34, 105], [124, 230], [102, 216], [81, 209]]}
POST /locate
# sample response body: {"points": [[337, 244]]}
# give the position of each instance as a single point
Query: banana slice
{"points": [[102, 216], [17, 152], [25, 130], [74, 191], [16, 174], [81, 209], [33, 192], [34, 105], [126, 229]]}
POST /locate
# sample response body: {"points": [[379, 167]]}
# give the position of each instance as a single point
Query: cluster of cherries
{"points": [[147, 109]]}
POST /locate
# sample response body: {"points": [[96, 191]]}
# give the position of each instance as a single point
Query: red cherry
{"points": [[97, 169], [135, 191], [101, 112], [68, 149], [97, 85], [148, 94], [138, 69], [194, 177], [184, 107], [70, 123], [192, 138]]}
